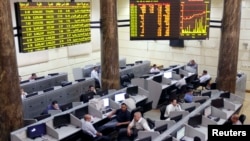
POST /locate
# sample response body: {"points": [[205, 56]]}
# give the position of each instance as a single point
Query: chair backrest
{"points": [[206, 82], [147, 107], [131, 76], [87, 136], [242, 118], [162, 111], [151, 123]]}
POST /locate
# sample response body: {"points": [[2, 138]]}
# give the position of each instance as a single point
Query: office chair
{"points": [[147, 107], [180, 92], [151, 123], [242, 118], [131, 76], [204, 84], [124, 80], [162, 111], [86, 136]]}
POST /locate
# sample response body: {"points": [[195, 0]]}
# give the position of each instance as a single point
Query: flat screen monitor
{"points": [[176, 118], [79, 113], [122, 68], [53, 74], [66, 106], [168, 74], [132, 90], [41, 77], [207, 111], [61, 120], [201, 101], [80, 80], [41, 117], [195, 120], [24, 81], [130, 64], [168, 139], [225, 95], [87, 96], [218, 103], [154, 73], [177, 71], [166, 69], [32, 94], [162, 128], [180, 133], [36, 131], [158, 78], [105, 102], [48, 89], [102, 92], [149, 138], [66, 84], [120, 97], [207, 94], [138, 62], [145, 76], [190, 109]]}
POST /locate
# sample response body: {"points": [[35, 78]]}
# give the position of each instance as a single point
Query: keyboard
{"points": [[214, 118], [108, 110]]}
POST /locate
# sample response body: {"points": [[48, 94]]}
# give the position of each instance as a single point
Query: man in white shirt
{"points": [[173, 106], [154, 69], [137, 124], [94, 74], [89, 128], [204, 77], [181, 82], [130, 102]]}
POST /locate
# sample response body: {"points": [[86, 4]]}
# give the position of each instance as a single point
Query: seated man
{"points": [[188, 98], [33, 76], [181, 82], [154, 69], [137, 124], [94, 74], [130, 102], [92, 89], [89, 128], [173, 106], [204, 76], [235, 120], [122, 118], [53, 106], [193, 64]]}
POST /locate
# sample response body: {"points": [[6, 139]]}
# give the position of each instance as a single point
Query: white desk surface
{"points": [[139, 97], [66, 131], [186, 138]]}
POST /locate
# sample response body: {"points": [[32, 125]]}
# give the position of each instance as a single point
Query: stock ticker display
{"points": [[169, 19], [47, 25]]}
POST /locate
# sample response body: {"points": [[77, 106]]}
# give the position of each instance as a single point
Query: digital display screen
{"points": [[169, 19], [48, 25]]}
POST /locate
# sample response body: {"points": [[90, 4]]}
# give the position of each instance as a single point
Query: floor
{"points": [[155, 114]]}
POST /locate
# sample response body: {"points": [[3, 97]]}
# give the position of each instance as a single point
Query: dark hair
{"points": [[196, 138], [54, 102], [126, 96], [91, 86], [181, 75], [154, 65], [124, 104], [33, 74], [205, 71]]}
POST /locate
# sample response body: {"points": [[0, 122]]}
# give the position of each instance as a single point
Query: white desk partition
{"points": [[161, 122], [188, 105], [177, 113], [155, 90], [191, 132]]}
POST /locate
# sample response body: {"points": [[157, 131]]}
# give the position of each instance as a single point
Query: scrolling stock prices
{"points": [[169, 19]]}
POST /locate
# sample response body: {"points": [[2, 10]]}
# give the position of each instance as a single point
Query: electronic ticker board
{"points": [[47, 25], [169, 19]]}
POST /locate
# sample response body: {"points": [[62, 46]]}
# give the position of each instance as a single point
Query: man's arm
{"points": [[129, 127], [112, 113]]}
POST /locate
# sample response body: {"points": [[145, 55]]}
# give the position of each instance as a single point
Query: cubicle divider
{"points": [[44, 83], [35, 105]]}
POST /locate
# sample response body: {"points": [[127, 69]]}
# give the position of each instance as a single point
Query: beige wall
{"points": [[205, 52]]}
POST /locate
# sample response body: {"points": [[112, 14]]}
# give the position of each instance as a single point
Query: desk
{"points": [[139, 98], [66, 131]]}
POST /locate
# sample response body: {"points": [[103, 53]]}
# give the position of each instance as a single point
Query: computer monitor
{"points": [[80, 80], [176, 70], [190, 109], [79, 113], [41, 117], [122, 68], [41, 77], [180, 133], [32, 94], [138, 62], [225, 95], [53, 74], [201, 101], [168, 74], [61, 120], [66, 106], [166, 69], [66, 84], [161, 128], [195, 120], [145, 76], [149, 138], [168, 139], [87, 96], [158, 78], [48, 89], [105, 102], [24, 81], [132, 90], [130, 64], [154, 73], [36, 131], [207, 111], [120, 97], [218, 103], [176, 118], [207, 94], [102, 92]]}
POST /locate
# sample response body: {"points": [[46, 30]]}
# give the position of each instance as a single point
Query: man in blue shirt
{"points": [[188, 98]]}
